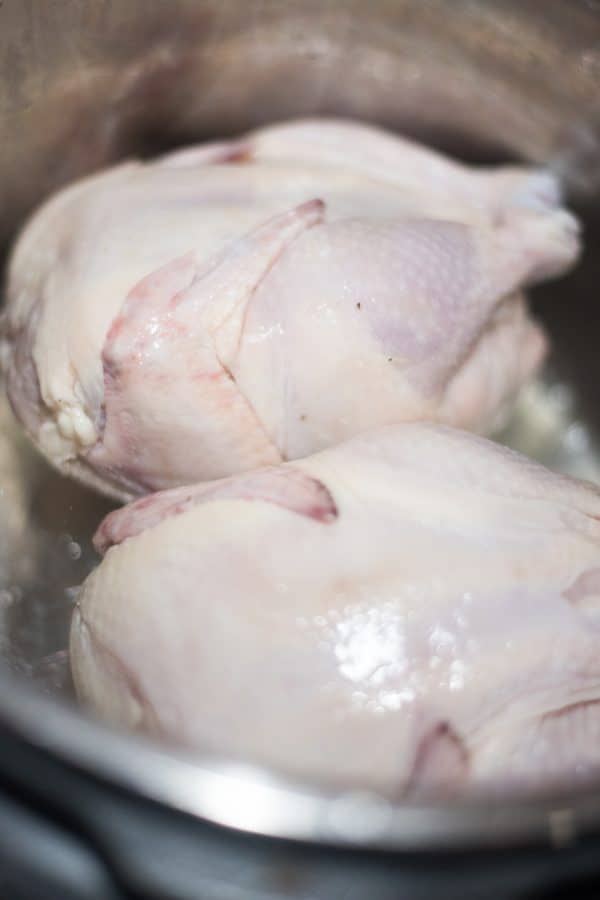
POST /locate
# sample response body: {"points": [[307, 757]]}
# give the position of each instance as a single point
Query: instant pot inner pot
{"points": [[489, 82]]}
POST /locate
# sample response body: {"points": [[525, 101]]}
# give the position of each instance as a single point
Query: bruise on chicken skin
{"points": [[413, 610], [242, 303]]}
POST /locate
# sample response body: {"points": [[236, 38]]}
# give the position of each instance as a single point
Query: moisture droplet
{"points": [[577, 438], [74, 550]]}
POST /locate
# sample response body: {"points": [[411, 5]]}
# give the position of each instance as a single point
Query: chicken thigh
{"points": [[415, 609], [243, 303]]}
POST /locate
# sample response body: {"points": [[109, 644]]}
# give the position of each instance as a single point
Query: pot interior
{"points": [[82, 88]]}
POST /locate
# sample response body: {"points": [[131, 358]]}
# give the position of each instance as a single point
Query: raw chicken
{"points": [[417, 608], [243, 303]]}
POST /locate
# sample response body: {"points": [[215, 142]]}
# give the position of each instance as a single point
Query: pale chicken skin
{"points": [[248, 302], [415, 609]]}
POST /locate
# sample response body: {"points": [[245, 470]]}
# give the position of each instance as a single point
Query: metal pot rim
{"points": [[252, 800]]}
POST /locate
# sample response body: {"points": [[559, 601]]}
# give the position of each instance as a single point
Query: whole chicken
{"points": [[415, 609], [248, 302]]}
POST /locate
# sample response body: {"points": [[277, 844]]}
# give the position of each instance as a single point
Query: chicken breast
{"points": [[243, 303], [416, 609]]}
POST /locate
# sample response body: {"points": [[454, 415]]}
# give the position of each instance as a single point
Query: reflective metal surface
{"points": [[82, 84]]}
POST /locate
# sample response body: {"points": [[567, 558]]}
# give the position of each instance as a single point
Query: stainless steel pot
{"points": [[82, 84]]}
